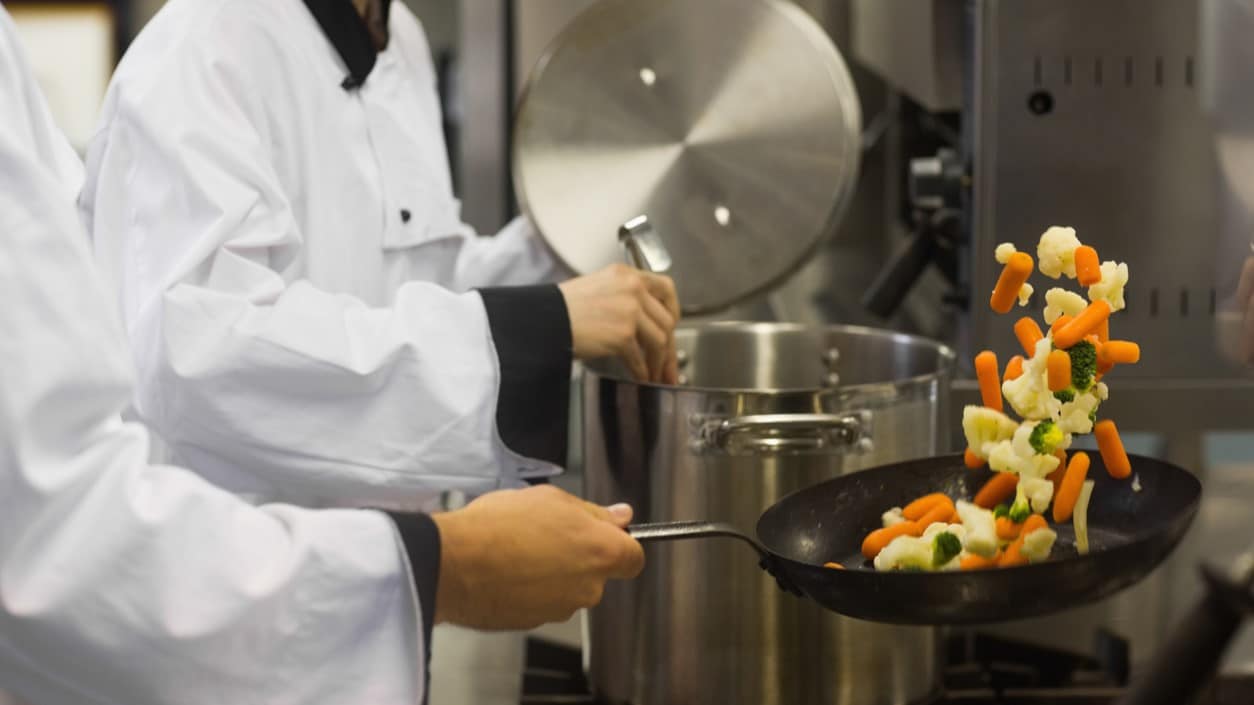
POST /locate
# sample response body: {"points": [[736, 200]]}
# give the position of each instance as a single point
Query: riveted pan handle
{"points": [[679, 530], [787, 434]]}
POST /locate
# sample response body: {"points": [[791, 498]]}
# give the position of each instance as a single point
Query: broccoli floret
{"points": [[1001, 510], [1021, 509], [1083, 365], [1065, 396], [944, 548], [1046, 437], [1093, 416]]}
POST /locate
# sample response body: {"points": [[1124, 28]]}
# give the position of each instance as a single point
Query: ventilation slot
{"points": [[1127, 71], [1184, 303], [1158, 72], [1212, 302], [1188, 71], [1066, 71], [1037, 72], [1153, 305], [1097, 72]]}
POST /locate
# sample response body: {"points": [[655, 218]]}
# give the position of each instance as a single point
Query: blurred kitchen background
{"points": [[1057, 122]]}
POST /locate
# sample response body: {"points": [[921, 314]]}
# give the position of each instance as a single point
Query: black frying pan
{"points": [[1129, 534]]}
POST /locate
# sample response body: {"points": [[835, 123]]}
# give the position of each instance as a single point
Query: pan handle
{"points": [[788, 434], [678, 530]]}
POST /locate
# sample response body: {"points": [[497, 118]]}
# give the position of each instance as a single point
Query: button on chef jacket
{"points": [[124, 582], [272, 202]]}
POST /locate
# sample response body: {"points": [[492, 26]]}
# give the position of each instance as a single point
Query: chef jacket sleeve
{"points": [[323, 398], [124, 582]]}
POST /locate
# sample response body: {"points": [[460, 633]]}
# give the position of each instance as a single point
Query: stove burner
{"points": [[979, 670]]}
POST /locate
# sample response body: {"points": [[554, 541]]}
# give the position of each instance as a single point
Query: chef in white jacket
{"points": [[124, 582], [269, 194]]}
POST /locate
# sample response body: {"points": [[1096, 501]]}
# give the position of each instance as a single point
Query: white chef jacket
{"points": [[132, 584], [293, 271]]}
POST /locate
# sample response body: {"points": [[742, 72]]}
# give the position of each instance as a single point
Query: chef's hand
{"points": [[516, 559], [1245, 307], [628, 313]]}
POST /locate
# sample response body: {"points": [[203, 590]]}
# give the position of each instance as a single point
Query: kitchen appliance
{"points": [[768, 409], [1132, 526]]}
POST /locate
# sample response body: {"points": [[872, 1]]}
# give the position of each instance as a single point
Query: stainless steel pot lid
{"points": [[733, 125]]}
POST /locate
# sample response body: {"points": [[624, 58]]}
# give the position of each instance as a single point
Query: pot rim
{"points": [[946, 357]]}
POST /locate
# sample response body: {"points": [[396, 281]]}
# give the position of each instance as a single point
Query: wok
{"points": [[1130, 532]]}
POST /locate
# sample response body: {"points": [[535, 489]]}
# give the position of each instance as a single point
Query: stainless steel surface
{"points": [[733, 131], [916, 45], [484, 120], [667, 638], [644, 248]]}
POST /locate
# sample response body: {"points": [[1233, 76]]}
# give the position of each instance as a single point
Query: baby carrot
{"points": [[916, 509], [878, 539], [1008, 530], [977, 562], [1034, 522], [1111, 447], [1058, 365], [1013, 555], [971, 460], [1013, 276], [943, 511], [990, 385], [1119, 351], [1086, 322], [833, 565], [997, 490], [1059, 322], [1014, 368], [1103, 331], [1029, 334], [1067, 494], [1088, 268]]}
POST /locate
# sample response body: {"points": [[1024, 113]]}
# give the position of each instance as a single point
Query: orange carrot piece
{"points": [[1058, 365], [941, 512], [1067, 494], [986, 373], [1103, 331], [1111, 447], [916, 509], [977, 562], [878, 539], [1014, 368], [997, 490], [1029, 334], [1008, 530], [1013, 555], [1086, 322], [1033, 523], [1013, 276], [971, 460], [1119, 351], [1059, 322], [1088, 268], [833, 565]]}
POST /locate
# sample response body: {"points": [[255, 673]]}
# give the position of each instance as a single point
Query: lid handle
{"points": [[644, 248]]}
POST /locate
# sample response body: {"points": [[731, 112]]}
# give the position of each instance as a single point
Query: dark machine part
{"points": [[1130, 533]]}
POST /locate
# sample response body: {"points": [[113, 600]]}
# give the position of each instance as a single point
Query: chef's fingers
{"points": [[662, 288], [633, 357], [668, 370], [618, 514], [670, 374], [653, 340]]}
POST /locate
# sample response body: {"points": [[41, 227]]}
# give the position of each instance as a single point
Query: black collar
{"points": [[348, 33]]}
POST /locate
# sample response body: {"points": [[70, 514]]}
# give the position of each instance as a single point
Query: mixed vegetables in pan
{"points": [[1056, 389]]}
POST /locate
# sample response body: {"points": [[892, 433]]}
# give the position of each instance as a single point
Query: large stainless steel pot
{"points": [[767, 409]]}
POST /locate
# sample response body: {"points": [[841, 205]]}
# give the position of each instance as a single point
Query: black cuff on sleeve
{"points": [[531, 329], [421, 538]]}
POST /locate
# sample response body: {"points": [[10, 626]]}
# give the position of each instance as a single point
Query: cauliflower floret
{"points": [[1025, 293], [892, 517], [1004, 458], [1102, 391], [1060, 302], [985, 427], [1029, 393], [1055, 254], [1077, 416], [1003, 252], [928, 552], [1038, 544], [1110, 288], [1038, 490], [980, 526]]}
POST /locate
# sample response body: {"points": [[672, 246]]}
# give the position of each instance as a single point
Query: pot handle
{"points": [[784, 434], [678, 530]]}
